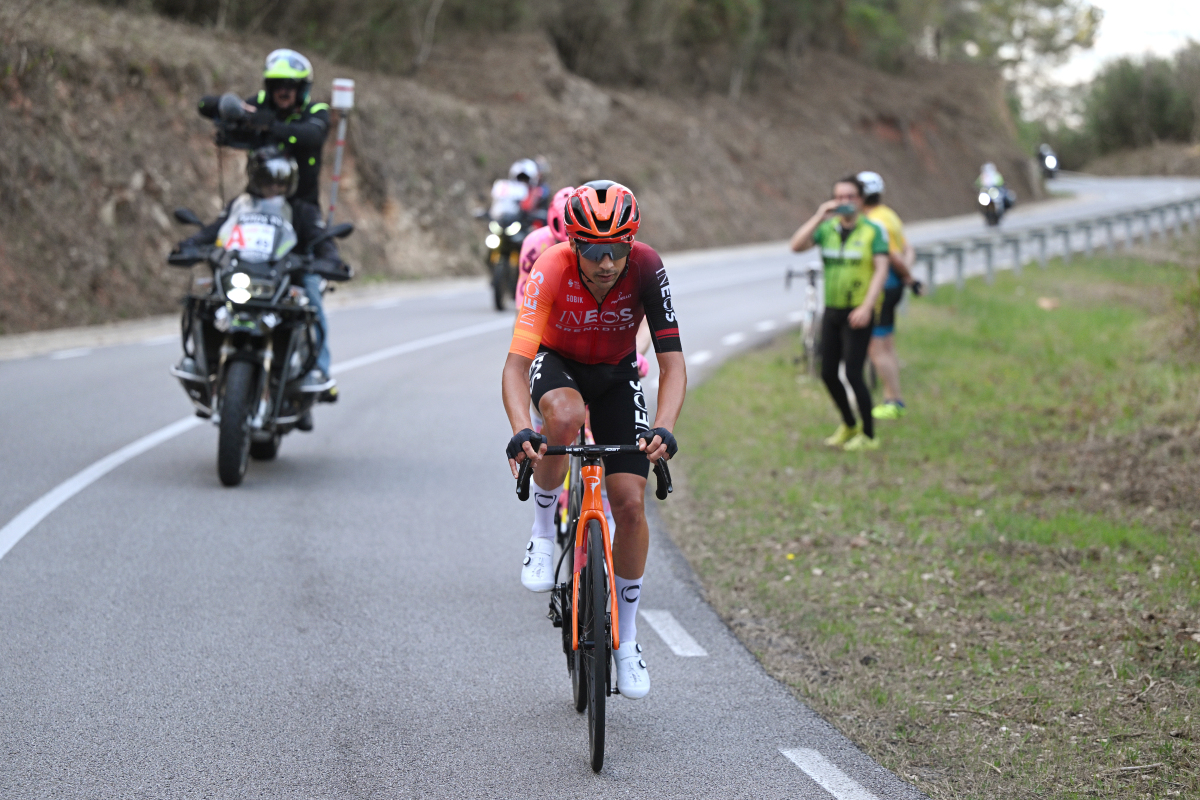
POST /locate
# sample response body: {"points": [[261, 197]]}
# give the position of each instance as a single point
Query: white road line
{"points": [[21, 524], [672, 633], [796, 316], [700, 358], [75, 352], [827, 775], [41, 508], [733, 339], [765, 325]]}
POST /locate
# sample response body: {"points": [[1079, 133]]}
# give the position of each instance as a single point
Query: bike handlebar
{"points": [[662, 474]]}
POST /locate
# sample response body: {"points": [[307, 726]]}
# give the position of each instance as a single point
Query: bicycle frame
{"points": [[592, 475]]}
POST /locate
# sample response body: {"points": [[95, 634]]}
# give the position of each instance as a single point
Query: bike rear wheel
{"points": [[596, 658]]}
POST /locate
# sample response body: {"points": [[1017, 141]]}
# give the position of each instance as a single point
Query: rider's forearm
{"points": [[515, 388], [901, 262], [877, 281], [672, 386], [802, 238]]}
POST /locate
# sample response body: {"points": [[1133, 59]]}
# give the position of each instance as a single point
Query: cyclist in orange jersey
{"points": [[573, 349]]}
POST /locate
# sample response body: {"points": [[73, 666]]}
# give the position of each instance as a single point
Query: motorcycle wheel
{"points": [[233, 443], [265, 451], [500, 290]]}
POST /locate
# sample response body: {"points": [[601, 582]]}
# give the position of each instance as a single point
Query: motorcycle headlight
{"points": [[239, 280], [1051, 162], [984, 198], [492, 241], [494, 226], [513, 229], [238, 295]]}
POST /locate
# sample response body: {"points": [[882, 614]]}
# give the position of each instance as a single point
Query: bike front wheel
{"points": [[598, 655]]}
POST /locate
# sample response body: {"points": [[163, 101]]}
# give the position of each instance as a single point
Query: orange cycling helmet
{"points": [[602, 211]]}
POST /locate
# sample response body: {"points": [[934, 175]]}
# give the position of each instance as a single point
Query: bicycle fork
{"points": [[593, 509]]}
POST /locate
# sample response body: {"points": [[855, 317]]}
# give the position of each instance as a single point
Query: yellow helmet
{"points": [[288, 66]]}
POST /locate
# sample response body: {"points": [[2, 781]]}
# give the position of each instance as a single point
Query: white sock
{"points": [[629, 591], [544, 511]]}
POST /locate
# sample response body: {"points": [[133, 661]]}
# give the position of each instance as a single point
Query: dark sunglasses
{"points": [[596, 251]]}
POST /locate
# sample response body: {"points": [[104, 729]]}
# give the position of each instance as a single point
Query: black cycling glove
{"points": [[664, 434], [918, 288], [515, 444]]}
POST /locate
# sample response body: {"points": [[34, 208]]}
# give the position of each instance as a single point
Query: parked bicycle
{"points": [[811, 321], [581, 603]]}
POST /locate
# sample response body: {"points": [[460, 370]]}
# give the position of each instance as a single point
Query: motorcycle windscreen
{"points": [[506, 199], [258, 229]]}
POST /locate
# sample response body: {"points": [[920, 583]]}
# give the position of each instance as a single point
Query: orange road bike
{"points": [[582, 604]]}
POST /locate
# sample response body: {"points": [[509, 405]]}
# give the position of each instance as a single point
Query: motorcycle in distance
{"points": [[508, 225], [252, 337], [1047, 161], [993, 202]]}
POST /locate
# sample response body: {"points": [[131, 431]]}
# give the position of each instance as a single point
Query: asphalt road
{"points": [[349, 622]]}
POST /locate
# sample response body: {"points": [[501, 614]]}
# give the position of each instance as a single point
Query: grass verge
{"points": [[1002, 601]]}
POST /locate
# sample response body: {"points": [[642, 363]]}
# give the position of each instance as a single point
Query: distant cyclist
{"points": [[901, 255], [573, 344], [855, 252]]}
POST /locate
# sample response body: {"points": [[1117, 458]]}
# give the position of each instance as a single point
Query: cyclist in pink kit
{"points": [[542, 239]]}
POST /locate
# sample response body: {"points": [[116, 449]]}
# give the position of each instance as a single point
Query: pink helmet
{"points": [[554, 217]]}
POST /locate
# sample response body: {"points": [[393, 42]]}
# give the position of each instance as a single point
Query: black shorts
{"points": [[613, 393], [885, 322]]}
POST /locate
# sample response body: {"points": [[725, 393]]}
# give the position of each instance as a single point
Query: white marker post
{"points": [[342, 102]]}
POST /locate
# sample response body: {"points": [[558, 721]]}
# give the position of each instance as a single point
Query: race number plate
{"points": [[254, 241]]}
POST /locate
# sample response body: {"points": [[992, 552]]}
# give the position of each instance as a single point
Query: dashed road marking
{"points": [[766, 325], [734, 338], [700, 358], [827, 775], [672, 633], [75, 352]]}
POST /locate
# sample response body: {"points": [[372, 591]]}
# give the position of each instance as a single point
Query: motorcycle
{"points": [[252, 337], [994, 201], [508, 225], [1048, 161]]}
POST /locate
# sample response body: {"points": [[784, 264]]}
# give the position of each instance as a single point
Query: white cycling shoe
{"points": [[633, 679], [537, 570]]}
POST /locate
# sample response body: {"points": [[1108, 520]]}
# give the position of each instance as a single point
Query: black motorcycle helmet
{"points": [[271, 173]]}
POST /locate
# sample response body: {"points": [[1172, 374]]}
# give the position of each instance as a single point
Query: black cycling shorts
{"points": [[613, 393], [885, 323]]}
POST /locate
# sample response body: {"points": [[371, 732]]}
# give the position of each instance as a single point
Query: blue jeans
{"points": [[312, 285]]}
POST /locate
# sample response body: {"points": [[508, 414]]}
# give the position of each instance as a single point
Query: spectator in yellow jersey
{"points": [[882, 349]]}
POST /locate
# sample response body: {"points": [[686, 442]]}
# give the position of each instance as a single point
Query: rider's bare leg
{"points": [[882, 351], [562, 411], [627, 495]]}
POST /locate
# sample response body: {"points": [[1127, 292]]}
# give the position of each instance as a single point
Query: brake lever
{"points": [[662, 477], [523, 475]]}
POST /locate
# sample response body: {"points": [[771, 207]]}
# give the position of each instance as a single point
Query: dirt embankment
{"points": [[101, 140]]}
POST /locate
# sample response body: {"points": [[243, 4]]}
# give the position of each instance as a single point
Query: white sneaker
{"points": [[633, 679], [537, 570]]}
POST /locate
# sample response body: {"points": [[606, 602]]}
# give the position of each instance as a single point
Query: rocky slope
{"points": [[100, 140]]}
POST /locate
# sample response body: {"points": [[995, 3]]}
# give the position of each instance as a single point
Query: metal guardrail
{"points": [[1171, 222]]}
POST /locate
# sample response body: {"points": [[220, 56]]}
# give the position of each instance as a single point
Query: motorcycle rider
{"points": [[990, 177], [527, 171], [270, 174], [282, 116]]}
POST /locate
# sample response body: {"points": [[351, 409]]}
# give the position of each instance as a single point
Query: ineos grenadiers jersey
{"points": [[849, 262], [558, 312]]}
